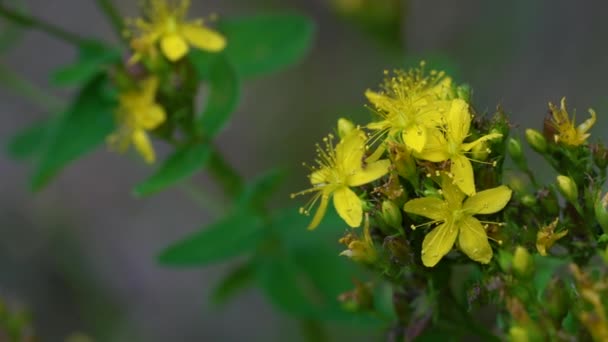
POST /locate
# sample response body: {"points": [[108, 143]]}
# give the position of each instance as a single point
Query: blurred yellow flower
{"points": [[449, 145], [410, 104], [455, 219], [340, 168], [138, 113], [165, 22], [546, 237], [566, 130]]}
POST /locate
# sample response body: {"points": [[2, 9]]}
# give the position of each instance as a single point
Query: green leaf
{"points": [[258, 191], [545, 267], [93, 57], [266, 43], [234, 282], [182, 164], [224, 91], [30, 141], [231, 236], [80, 129]]}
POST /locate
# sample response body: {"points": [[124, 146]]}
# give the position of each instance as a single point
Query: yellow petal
{"points": [[379, 125], [473, 240], [463, 174], [174, 47], [586, 125], [143, 145], [415, 137], [320, 176], [379, 101], [488, 201], [438, 243], [149, 87], [430, 207], [459, 120], [369, 173], [203, 38], [350, 150], [491, 136], [452, 193], [151, 117], [320, 211], [435, 149], [348, 206]]}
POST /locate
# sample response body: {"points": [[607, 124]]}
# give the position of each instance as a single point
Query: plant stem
{"points": [[108, 8], [225, 174], [39, 24], [22, 86]]}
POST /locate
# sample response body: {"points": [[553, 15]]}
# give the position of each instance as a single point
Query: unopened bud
{"points": [[481, 151], [536, 140], [601, 214], [600, 155], [391, 214], [464, 92], [518, 334], [515, 151], [345, 126], [567, 187], [528, 200], [523, 264]]}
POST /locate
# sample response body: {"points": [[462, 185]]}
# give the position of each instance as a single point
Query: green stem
{"points": [[108, 8], [35, 23], [225, 174], [20, 85]]}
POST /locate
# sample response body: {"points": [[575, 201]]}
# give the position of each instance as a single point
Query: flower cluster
{"points": [[423, 136], [163, 27]]}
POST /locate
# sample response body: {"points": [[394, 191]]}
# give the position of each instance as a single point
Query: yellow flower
{"points": [[165, 23], [546, 237], [138, 113], [360, 249], [339, 169], [410, 105], [449, 145], [455, 219], [566, 131]]}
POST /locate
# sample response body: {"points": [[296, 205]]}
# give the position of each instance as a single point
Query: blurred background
{"points": [[80, 255]]}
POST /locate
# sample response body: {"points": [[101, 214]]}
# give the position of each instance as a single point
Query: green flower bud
{"points": [[518, 334], [345, 126], [601, 214], [515, 151], [464, 92], [523, 264], [481, 151], [536, 140], [528, 200], [391, 214], [567, 187]]}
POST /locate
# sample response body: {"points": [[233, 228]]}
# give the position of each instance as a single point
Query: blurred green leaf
{"points": [[30, 141], [229, 237], [233, 283], [222, 99], [93, 57], [261, 188], [182, 164], [545, 267], [266, 43], [79, 130]]}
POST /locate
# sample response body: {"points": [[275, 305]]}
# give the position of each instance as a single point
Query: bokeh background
{"points": [[80, 255]]}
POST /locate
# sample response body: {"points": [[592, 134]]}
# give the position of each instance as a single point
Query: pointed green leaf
{"points": [[266, 43], [233, 283], [261, 188], [224, 91], [93, 58], [80, 129], [231, 236], [182, 164], [30, 141]]}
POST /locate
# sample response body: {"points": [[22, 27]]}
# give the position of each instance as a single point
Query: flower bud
{"points": [[600, 155], [536, 140], [528, 200], [518, 334], [481, 151], [345, 126], [567, 187], [601, 214], [463, 92], [523, 264], [391, 214], [515, 151]]}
